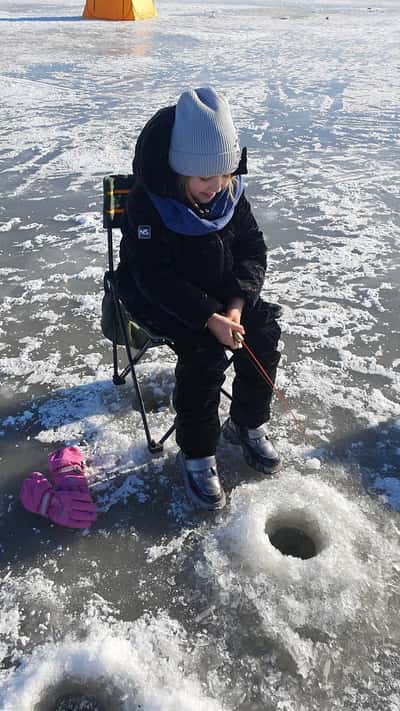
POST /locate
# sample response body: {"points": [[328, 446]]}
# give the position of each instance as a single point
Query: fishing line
{"points": [[239, 339]]}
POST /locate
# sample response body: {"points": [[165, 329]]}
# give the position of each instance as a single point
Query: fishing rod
{"points": [[240, 339]]}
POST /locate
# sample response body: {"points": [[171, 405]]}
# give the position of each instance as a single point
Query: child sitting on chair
{"points": [[192, 265]]}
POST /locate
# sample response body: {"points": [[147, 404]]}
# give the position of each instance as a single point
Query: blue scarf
{"points": [[183, 219]]}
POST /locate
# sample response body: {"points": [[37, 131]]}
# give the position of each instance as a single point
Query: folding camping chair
{"points": [[119, 326]]}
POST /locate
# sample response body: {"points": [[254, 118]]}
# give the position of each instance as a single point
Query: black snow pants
{"points": [[200, 373]]}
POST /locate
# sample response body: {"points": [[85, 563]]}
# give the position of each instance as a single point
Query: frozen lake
{"points": [[158, 607]]}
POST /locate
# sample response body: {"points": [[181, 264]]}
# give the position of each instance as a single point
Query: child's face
{"points": [[202, 190]]}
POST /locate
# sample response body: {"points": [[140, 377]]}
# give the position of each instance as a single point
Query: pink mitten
{"points": [[73, 509], [67, 470], [32, 491]]}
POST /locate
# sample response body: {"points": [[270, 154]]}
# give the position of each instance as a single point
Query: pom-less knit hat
{"points": [[204, 141]]}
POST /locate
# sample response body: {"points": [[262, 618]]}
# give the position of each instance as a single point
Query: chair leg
{"points": [[117, 378], [165, 436]]}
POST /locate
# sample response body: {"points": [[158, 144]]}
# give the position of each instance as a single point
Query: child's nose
{"points": [[216, 184]]}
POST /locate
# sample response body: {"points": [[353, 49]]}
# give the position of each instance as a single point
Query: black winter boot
{"points": [[202, 482], [258, 450]]}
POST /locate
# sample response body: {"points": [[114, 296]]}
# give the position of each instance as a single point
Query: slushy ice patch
{"points": [[333, 579]]}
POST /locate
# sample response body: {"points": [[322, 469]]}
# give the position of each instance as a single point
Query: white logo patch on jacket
{"points": [[144, 231]]}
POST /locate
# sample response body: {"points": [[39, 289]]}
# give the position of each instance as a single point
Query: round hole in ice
{"points": [[290, 540], [77, 703], [80, 695], [294, 535]]}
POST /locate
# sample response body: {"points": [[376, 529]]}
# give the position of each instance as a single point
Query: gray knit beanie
{"points": [[204, 141]]}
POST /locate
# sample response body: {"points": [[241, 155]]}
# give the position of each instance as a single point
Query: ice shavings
{"points": [[288, 596], [92, 272], [89, 305], [31, 226], [34, 371], [49, 315], [172, 546], [126, 663], [18, 421], [7, 226], [131, 485], [389, 488], [25, 603]]}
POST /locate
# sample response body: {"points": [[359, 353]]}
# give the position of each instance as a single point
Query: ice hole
{"points": [[77, 703], [74, 695], [294, 536]]}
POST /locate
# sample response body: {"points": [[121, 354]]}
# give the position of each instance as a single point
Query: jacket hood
{"points": [[150, 163]]}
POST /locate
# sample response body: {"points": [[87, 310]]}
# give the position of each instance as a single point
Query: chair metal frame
{"points": [[115, 192]]}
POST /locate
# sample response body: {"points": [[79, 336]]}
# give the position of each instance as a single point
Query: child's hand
{"points": [[222, 328]]}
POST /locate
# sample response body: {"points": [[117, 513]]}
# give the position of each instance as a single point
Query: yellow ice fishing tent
{"points": [[119, 9]]}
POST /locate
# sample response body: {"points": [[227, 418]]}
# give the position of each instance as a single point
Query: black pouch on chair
{"points": [[138, 336], [109, 320]]}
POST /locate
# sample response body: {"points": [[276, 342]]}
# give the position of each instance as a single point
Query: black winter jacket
{"points": [[188, 277]]}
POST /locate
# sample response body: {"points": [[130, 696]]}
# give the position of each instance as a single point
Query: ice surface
{"points": [[156, 605]]}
